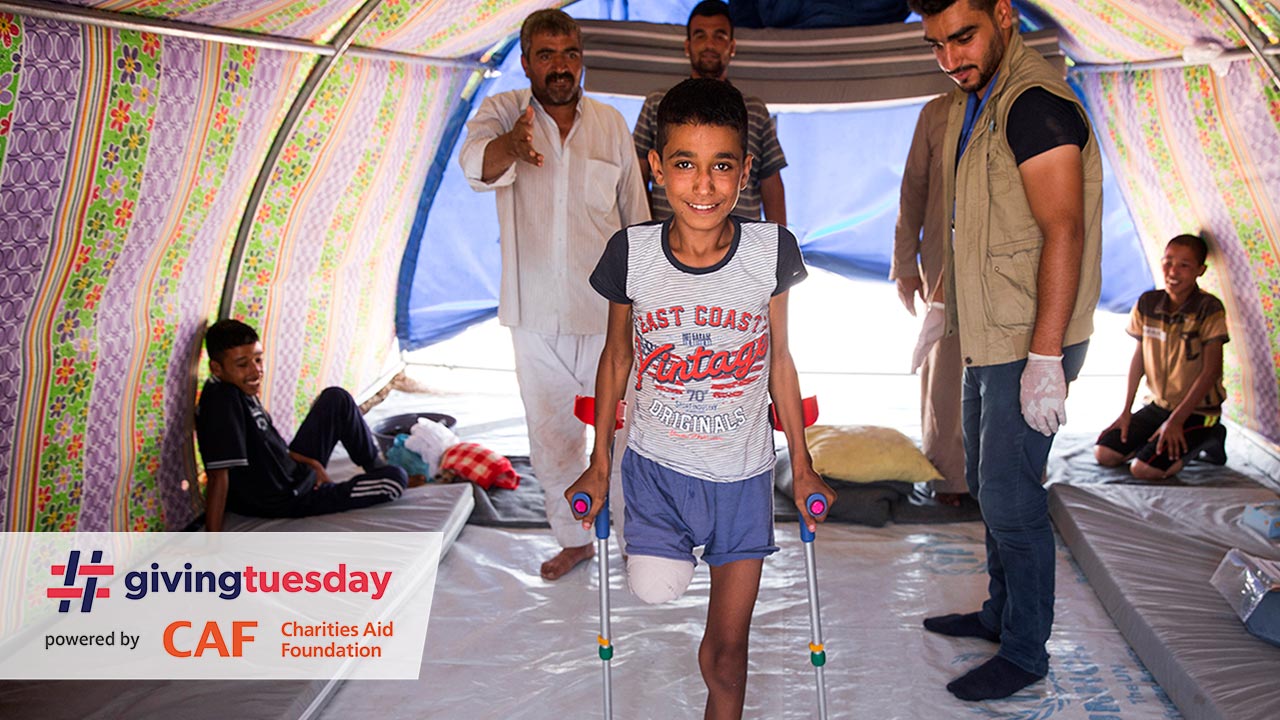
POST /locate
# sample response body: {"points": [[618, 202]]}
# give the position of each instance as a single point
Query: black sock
{"points": [[1215, 450], [960, 625], [992, 680]]}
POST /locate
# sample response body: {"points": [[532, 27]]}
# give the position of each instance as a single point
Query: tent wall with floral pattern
{"points": [[165, 162], [129, 160]]}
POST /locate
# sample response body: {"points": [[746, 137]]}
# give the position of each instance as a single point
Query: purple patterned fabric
{"points": [[181, 89], [321, 14], [120, 341], [1149, 186], [327, 192], [353, 278], [245, 15], [30, 187], [1249, 329], [1246, 86], [197, 302]]}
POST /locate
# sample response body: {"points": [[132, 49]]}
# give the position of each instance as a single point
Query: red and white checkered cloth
{"points": [[480, 465]]}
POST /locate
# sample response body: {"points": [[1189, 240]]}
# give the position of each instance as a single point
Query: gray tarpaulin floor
{"points": [[502, 643]]}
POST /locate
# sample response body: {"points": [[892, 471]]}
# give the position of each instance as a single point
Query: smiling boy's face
{"points": [[1181, 268], [702, 169], [241, 366]]}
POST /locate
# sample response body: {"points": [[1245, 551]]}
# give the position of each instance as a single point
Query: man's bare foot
{"points": [[566, 560], [949, 499]]}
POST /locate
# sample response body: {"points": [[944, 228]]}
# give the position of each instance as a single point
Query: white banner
{"points": [[124, 606]]}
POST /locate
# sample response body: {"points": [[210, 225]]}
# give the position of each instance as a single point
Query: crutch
{"points": [[584, 408], [817, 505]]}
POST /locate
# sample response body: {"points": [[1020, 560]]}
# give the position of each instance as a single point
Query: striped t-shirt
{"points": [[701, 339], [762, 144]]}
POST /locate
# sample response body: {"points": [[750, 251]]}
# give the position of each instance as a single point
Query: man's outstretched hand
{"points": [[521, 139]]}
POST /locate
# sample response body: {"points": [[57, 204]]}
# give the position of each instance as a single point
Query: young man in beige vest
{"points": [[1022, 281]]}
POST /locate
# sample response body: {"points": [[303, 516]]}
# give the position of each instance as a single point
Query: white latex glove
{"points": [[1044, 393], [935, 322]]}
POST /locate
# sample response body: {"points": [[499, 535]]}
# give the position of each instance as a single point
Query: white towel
{"points": [[430, 439]]}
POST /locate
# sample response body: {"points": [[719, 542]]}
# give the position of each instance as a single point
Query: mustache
{"points": [[553, 77], [961, 69]]}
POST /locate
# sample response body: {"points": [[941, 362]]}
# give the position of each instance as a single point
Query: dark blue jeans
{"points": [[1004, 466], [334, 417]]}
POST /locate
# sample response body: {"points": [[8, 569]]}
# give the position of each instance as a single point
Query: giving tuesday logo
{"points": [[74, 571]]}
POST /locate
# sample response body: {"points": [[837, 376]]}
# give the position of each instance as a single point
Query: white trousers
{"points": [[551, 370]]}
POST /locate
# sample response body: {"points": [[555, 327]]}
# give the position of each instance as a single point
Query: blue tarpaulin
{"points": [[842, 185]]}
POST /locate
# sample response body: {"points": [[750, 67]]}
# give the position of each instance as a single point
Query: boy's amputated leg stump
{"points": [[722, 656]]}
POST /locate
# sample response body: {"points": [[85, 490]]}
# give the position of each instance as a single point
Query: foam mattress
{"points": [[1149, 553], [427, 508]]}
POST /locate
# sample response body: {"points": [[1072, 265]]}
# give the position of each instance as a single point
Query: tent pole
{"points": [[207, 33], [1258, 45], [340, 43], [1159, 64], [160, 26]]}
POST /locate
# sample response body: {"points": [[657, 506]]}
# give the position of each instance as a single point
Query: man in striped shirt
{"points": [[709, 45]]}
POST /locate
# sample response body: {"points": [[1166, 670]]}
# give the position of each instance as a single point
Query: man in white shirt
{"points": [[566, 179]]}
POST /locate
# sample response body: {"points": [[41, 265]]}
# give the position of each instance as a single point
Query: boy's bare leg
{"points": [[723, 653], [566, 560], [1107, 457], [1143, 471]]}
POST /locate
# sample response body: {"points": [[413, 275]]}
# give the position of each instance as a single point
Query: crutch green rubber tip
{"points": [[606, 652], [818, 659]]}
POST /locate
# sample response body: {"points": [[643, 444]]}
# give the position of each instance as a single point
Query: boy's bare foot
{"points": [[949, 499], [566, 560]]}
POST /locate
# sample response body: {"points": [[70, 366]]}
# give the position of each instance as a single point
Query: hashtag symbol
{"points": [[73, 569]]}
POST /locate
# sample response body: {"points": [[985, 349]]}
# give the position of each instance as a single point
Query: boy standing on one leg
{"points": [[700, 302]]}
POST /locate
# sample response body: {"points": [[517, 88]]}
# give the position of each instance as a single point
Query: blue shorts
{"points": [[670, 513]]}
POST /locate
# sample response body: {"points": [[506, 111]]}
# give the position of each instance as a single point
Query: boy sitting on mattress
{"points": [[698, 324], [1180, 332], [251, 470]]}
